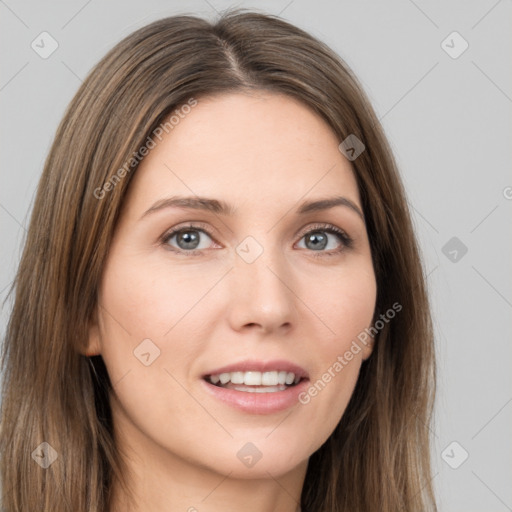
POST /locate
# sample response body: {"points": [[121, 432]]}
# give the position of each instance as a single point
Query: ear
{"points": [[367, 348], [368, 337], [93, 346]]}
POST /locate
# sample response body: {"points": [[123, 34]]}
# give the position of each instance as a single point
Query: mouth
{"points": [[255, 381], [257, 387]]}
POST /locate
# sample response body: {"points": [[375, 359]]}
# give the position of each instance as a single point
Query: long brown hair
{"points": [[378, 457]]}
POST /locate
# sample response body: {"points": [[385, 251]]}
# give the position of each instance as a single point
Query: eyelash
{"points": [[327, 228], [345, 240]]}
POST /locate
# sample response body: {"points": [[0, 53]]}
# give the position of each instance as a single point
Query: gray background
{"points": [[448, 121]]}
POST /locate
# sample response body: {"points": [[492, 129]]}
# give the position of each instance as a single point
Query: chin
{"points": [[255, 457]]}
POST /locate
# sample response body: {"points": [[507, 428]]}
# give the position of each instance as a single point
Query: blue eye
{"points": [[188, 239], [317, 236]]}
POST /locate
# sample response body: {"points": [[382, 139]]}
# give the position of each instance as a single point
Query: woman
{"points": [[220, 304]]}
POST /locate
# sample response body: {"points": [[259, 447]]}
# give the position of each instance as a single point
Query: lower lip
{"points": [[258, 403]]}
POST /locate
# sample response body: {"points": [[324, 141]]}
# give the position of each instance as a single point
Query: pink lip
{"points": [[258, 403], [261, 366]]}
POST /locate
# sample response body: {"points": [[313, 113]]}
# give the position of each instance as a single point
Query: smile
{"points": [[254, 381], [257, 387]]}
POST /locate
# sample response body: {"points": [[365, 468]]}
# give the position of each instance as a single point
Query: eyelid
{"points": [[200, 226], [345, 239], [319, 226]]}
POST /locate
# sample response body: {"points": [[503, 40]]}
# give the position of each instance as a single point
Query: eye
{"points": [[317, 240], [188, 239]]}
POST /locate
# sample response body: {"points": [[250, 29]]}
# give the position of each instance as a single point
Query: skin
{"points": [[264, 154]]}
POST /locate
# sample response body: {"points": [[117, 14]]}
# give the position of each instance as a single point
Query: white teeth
{"points": [[273, 378], [269, 379], [237, 377], [251, 379], [267, 389], [281, 376], [224, 378]]}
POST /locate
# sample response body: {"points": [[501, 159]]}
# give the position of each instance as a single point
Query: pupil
{"points": [[187, 238], [317, 240]]}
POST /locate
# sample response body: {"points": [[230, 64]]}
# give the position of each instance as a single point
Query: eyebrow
{"points": [[222, 208]]}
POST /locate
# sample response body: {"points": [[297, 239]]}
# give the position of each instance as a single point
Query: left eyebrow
{"points": [[222, 208], [326, 204]]}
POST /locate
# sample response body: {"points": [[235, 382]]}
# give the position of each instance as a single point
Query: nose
{"points": [[261, 294]]}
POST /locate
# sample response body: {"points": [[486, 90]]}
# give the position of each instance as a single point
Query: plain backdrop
{"points": [[439, 76]]}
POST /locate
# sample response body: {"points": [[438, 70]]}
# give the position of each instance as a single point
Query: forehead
{"points": [[265, 149]]}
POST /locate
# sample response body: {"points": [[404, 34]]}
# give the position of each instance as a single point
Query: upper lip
{"points": [[260, 366]]}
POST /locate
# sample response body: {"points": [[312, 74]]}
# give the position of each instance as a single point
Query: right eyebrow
{"points": [[195, 203]]}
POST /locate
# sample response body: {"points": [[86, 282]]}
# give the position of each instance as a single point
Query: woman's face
{"points": [[261, 293]]}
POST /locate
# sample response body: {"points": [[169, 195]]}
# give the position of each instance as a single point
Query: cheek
{"points": [[344, 303], [346, 306], [153, 327], [148, 339], [150, 299]]}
